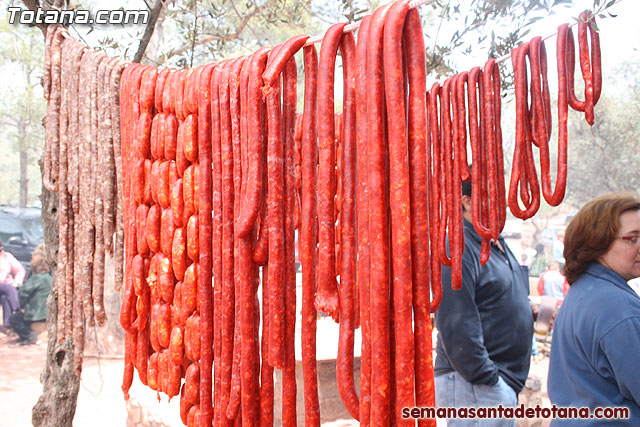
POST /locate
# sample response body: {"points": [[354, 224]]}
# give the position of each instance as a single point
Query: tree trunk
{"points": [[24, 177], [57, 404]]}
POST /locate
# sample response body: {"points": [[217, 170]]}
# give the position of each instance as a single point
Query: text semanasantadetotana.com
{"points": [[521, 411], [76, 16]]}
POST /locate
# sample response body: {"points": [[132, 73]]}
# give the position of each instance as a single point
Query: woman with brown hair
{"points": [[596, 339]]}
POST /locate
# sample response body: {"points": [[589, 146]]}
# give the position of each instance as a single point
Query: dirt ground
{"points": [[100, 401]]}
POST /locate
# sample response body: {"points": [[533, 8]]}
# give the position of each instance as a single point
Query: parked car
{"points": [[21, 231]]}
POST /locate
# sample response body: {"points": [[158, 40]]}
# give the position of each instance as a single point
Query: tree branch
{"points": [[34, 5], [148, 32], [243, 23]]}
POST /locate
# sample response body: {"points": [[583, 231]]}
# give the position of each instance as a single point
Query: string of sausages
{"points": [[81, 161], [533, 112], [203, 175]]}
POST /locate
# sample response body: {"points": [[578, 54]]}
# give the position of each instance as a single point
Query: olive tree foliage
{"points": [[21, 112], [605, 158]]}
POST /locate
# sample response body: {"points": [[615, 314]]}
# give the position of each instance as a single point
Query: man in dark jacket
{"points": [[33, 301], [485, 329]]}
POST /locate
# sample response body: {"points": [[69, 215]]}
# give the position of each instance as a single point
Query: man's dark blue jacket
{"points": [[485, 329]]}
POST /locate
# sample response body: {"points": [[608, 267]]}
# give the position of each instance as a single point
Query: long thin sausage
{"points": [[327, 291], [378, 226], [275, 217], [227, 283], [308, 239], [417, 129]]}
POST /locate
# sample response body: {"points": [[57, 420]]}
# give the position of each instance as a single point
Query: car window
{"points": [[33, 229], [9, 228]]}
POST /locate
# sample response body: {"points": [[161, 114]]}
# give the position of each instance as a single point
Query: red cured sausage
{"points": [[148, 89], [178, 93], [362, 221], [208, 131], [164, 325], [176, 346], [417, 131], [152, 226], [433, 184], [167, 230], [327, 291], [347, 296], [281, 57], [152, 372], [308, 240], [586, 66], [192, 325], [156, 138], [523, 174], [167, 93], [143, 134], [193, 246], [275, 217], [190, 290], [190, 90], [141, 218], [400, 206], [266, 370], [378, 226], [177, 203], [170, 132], [153, 327], [188, 190], [446, 184], [289, 115], [250, 204], [561, 174], [129, 357], [490, 120], [138, 181], [142, 355], [190, 135], [179, 253], [227, 282], [164, 187], [166, 280], [148, 193], [173, 383], [192, 384], [161, 80], [185, 406]]}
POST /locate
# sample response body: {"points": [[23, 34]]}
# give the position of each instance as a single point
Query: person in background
{"points": [[557, 248], [485, 329], [33, 301], [540, 261], [11, 276], [553, 283], [596, 338]]}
